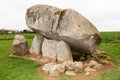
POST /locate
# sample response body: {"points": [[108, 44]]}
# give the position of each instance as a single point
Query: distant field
{"points": [[110, 36], [106, 36], [11, 36]]}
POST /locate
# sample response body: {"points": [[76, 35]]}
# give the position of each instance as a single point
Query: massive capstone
{"points": [[64, 24]]}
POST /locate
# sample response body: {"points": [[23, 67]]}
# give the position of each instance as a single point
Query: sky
{"points": [[104, 14]]}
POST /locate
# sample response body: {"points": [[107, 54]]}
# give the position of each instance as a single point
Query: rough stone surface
{"points": [[70, 68], [69, 65], [98, 67], [57, 50], [85, 65], [49, 48], [44, 60], [20, 45], [78, 66], [36, 46], [63, 52], [88, 69], [42, 17], [53, 69], [57, 69], [70, 73], [87, 73], [67, 25], [46, 68], [92, 63]]}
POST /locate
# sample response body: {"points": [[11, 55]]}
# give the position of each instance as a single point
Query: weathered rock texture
{"points": [[53, 69], [71, 68], [63, 52], [57, 50], [92, 63], [70, 73], [36, 47], [78, 66], [67, 25], [20, 45], [49, 48], [69, 65]]}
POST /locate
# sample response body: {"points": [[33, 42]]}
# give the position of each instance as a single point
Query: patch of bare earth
{"points": [[41, 60]]}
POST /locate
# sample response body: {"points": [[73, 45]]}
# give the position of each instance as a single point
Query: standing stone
{"points": [[63, 52], [57, 50], [67, 25], [49, 49], [36, 47], [20, 45]]}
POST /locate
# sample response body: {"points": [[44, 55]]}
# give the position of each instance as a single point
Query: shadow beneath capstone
{"points": [[80, 56]]}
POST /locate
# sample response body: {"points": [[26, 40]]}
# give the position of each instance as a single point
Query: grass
{"points": [[21, 69], [14, 68], [110, 36], [113, 50], [7, 36]]}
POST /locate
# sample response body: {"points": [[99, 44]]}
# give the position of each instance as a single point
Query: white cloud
{"points": [[104, 14]]}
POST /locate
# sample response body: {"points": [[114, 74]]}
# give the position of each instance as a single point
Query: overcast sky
{"points": [[104, 14]]}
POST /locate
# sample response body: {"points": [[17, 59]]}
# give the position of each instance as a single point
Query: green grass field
{"points": [[110, 36], [21, 69], [7, 36]]}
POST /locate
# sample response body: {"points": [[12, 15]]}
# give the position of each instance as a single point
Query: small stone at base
{"points": [[70, 73]]}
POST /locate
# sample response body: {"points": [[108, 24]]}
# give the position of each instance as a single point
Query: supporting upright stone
{"points": [[49, 49], [63, 52], [57, 50], [36, 46], [20, 45]]}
